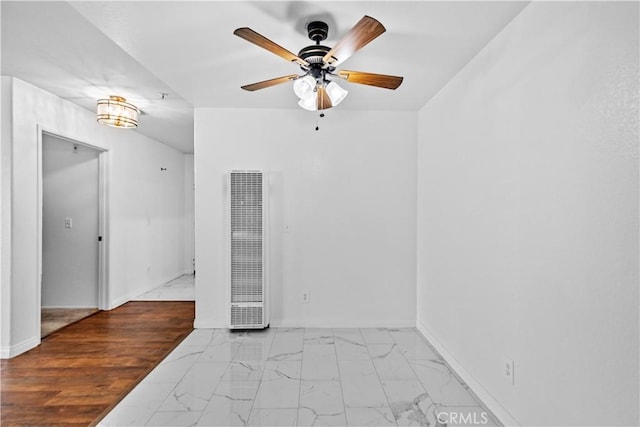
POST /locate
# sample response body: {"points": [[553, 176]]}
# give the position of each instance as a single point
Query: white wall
{"points": [[146, 206], [189, 220], [148, 216], [342, 213], [69, 254], [5, 212], [528, 215]]}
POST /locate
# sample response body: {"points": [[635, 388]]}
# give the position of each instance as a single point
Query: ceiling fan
{"points": [[316, 87]]}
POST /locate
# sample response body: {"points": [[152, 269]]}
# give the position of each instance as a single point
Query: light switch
{"points": [[68, 223]]}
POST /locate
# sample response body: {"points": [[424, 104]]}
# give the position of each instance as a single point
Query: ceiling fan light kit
{"points": [[309, 104], [304, 87], [316, 87], [336, 93]]}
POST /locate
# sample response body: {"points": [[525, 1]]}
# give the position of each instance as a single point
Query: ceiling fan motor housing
{"points": [[313, 54]]}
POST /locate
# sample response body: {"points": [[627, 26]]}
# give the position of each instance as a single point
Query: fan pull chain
{"points": [[321, 115]]}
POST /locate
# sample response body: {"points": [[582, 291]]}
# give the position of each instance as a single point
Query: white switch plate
{"points": [[508, 371], [306, 296], [68, 223]]}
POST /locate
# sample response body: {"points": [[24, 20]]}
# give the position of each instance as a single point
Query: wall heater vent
{"points": [[248, 296]]}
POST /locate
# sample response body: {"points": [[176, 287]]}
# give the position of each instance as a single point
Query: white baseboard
{"points": [[217, 324], [342, 323], [491, 402], [131, 296], [168, 279], [72, 307], [118, 302], [14, 350], [209, 324]]}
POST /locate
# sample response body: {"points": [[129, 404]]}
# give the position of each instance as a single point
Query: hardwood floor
{"points": [[80, 372], [52, 319]]}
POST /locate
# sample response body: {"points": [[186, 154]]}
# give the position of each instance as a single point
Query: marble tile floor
{"points": [[180, 289], [301, 377]]}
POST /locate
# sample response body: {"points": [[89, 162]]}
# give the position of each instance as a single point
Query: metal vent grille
{"points": [[246, 315], [246, 248]]}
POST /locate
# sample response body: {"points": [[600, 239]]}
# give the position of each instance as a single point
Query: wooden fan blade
{"points": [[371, 79], [360, 35], [324, 103], [259, 40], [270, 82]]}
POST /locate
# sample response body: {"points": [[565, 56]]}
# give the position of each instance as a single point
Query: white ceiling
{"points": [[83, 50]]}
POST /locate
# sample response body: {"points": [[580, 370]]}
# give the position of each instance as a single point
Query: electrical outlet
{"points": [[508, 372], [306, 296], [68, 223]]}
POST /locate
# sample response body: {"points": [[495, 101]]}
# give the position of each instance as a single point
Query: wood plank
{"points": [[366, 30], [268, 83], [322, 99], [371, 79], [82, 371], [259, 40]]}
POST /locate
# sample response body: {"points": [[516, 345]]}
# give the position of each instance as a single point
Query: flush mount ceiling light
{"points": [[316, 87], [117, 112]]}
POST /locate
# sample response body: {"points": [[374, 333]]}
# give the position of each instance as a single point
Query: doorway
{"points": [[71, 238]]}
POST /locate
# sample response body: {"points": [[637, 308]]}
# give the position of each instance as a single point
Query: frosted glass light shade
{"points": [[336, 93], [309, 104], [116, 112], [304, 87]]}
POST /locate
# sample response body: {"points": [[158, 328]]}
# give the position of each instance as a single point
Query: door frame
{"points": [[103, 218]]}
